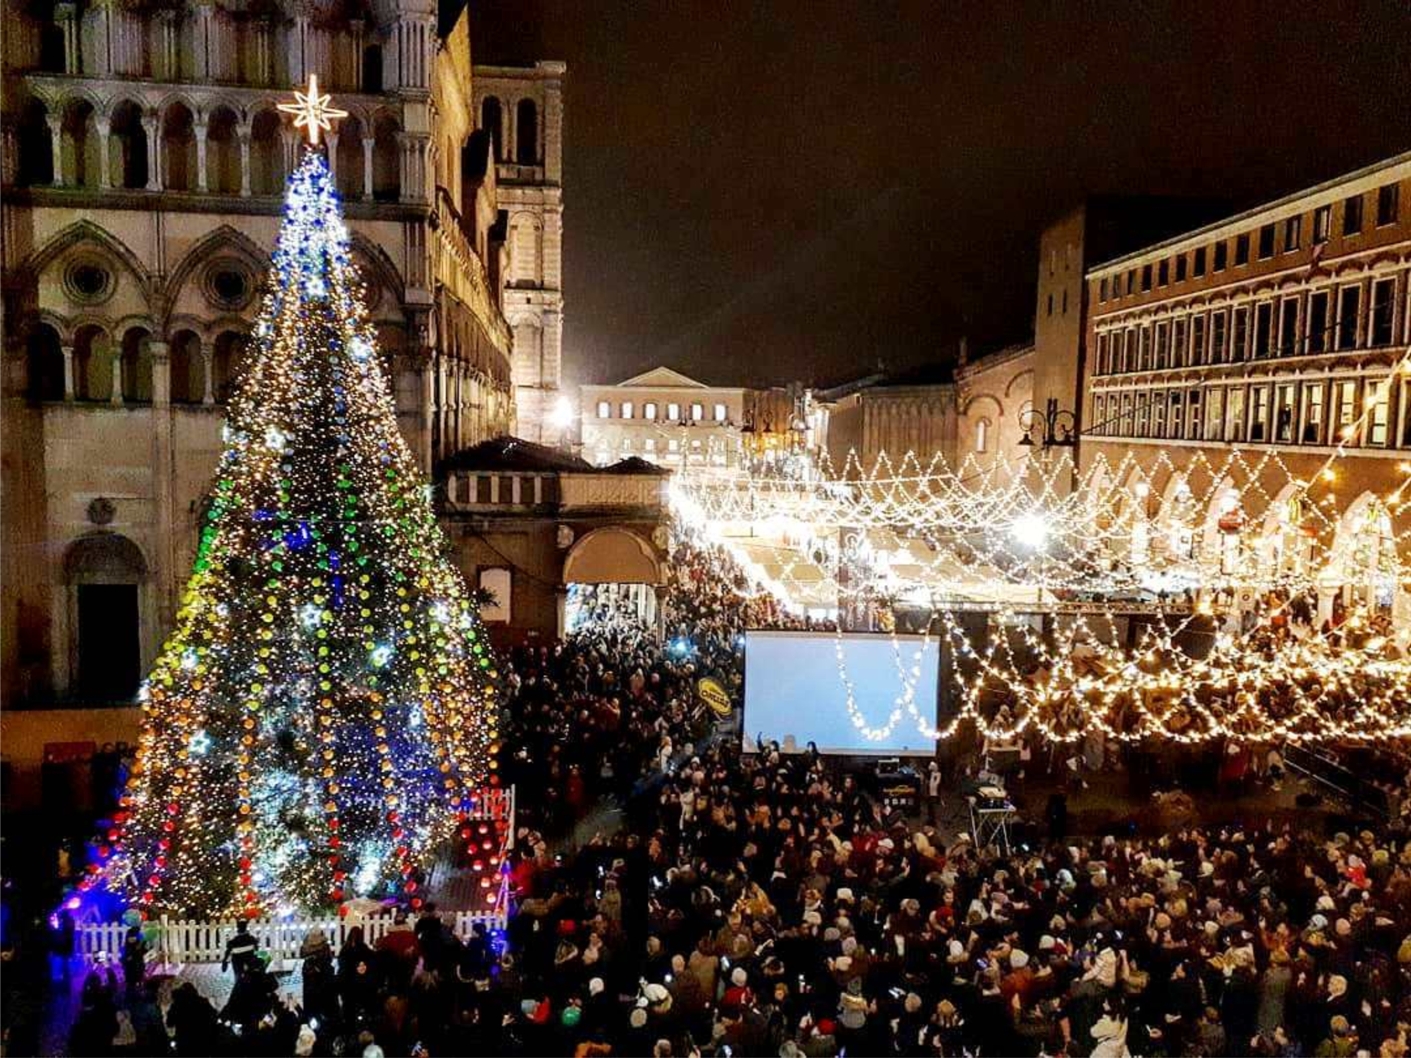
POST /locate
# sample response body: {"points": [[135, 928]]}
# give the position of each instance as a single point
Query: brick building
{"points": [[521, 109], [1281, 332]]}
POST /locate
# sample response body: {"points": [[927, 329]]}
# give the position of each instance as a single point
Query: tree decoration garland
{"points": [[315, 723]]}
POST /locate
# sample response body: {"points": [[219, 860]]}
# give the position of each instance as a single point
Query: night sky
{"points": [[758, 192]]}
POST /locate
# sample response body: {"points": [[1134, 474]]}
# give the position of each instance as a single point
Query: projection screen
{"points": [[796, 688]]}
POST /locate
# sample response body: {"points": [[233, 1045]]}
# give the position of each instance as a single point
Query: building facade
{"points": [[664, 417], [521, 109], [970, 414], [143, 179], [1281, 333], [530, 525]]}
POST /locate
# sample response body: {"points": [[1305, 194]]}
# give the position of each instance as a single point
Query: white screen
{"points": [[794, 689]]}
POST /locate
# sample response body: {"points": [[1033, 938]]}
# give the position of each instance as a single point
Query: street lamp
{"points": [[561, 418], [1059, 428]]}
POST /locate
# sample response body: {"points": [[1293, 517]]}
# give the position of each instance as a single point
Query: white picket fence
{"points": [[203, 942]]}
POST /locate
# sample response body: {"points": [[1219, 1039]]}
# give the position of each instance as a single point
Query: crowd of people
{"points": [[762, 903]]}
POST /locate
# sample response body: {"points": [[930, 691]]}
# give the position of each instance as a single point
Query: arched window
{"points": [[229, 352], [92, 364], [53, 52], [136, 366], [386, 160], [80, 147], [526, 133], [492, 121], [46, 364], [982, 435], [266, 154], [350, 157], [222, 152], [179, 148], [188, 377], [127, 147], [104, 573], [35, 146], [524, 241], [372, 69]]}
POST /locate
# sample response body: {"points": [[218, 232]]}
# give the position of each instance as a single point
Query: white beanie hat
{"points": [[1018, 959], [738, 977]]}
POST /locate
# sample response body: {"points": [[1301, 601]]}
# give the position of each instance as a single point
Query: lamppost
{"points": [[1058, 428], [561, 417]]}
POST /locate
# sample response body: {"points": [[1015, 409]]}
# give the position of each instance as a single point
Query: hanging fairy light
{"points": [[1017, 539]]}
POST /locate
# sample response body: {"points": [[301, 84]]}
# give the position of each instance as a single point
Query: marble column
{"points": [[208, 356], [163, 575], [200, 129], [56, 137], [151, 127], [368, 144], [331, 137], [115, 397], [67, 350], [244, 132], [104, 128]]}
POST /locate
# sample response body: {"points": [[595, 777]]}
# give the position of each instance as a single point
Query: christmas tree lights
{"points": [[314, 725]]}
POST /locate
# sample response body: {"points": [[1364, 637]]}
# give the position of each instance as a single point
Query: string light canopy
{"points": [[316, 723], [1108, 608]]}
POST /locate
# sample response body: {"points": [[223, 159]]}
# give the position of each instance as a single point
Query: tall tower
{"points": [[521, 108]]}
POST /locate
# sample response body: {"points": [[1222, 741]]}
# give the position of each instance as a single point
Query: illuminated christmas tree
{"points": [[317, 720]]}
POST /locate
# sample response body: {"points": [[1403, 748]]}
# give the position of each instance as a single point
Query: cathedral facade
{"points": [[144, 165]]}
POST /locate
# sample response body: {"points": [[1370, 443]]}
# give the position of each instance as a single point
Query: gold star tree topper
{"points": [[311, 110]]}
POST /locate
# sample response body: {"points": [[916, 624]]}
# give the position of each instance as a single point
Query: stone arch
{"points": [[127, 145], [227, 362], [105, 574], [612, 555], [1289, 534], [136, 357], [92, 362], [386, 157], [526, 132], [972, 404], [223, 240], [266, 151], [34, 146], [188, 373], [86, 232], [1364, 558], [45, 362], [1027, 373], [223, 150], [372, 68], [178, 150], [492, 121], [103, 556], [1225, 500], [378, 267], [80, 142], [350, 157], [1134, 506]]}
